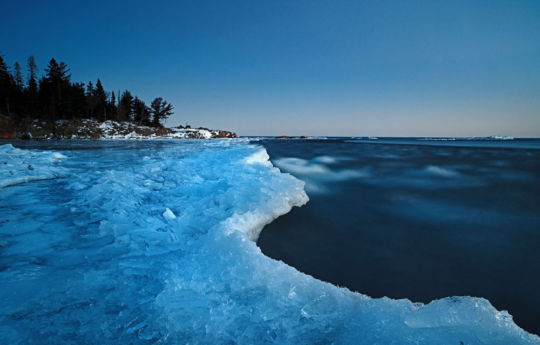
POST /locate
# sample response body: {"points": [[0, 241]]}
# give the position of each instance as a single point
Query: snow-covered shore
{"points": [[93, 129]]}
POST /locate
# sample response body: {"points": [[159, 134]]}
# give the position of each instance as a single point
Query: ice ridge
{"points": [[156, 245]]}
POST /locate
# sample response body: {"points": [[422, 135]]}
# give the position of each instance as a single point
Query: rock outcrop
{"points": [[92, 129]]}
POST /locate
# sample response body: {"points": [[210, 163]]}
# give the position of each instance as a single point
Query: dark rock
{"points": [[90, 129], [6, 127], [226, 134]]}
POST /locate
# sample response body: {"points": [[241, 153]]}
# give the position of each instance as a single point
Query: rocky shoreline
{"points": [[94, 130]]}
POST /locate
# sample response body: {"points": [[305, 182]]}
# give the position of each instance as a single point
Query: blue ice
{"points": [[154, 243]]}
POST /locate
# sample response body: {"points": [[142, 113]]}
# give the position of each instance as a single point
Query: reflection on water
{"points": [[416, 219]]}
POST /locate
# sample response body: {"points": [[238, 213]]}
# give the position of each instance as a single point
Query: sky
{"points": [[344, 68]]}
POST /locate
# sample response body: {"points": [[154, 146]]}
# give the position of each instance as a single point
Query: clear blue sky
{"points": [[386, 68]]}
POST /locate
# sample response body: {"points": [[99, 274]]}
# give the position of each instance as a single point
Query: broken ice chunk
{"points": [[168, 214]]}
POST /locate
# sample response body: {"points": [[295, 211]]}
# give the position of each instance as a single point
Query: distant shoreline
{"points": [[37, 129]]}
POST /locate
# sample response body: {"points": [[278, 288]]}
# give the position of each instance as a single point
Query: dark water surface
{"points": [[407, 218]]}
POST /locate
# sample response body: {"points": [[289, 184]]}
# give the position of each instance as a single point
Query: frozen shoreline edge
{"points": [[501, 314], [250, 225]]}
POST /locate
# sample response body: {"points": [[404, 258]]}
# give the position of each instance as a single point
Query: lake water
{"points": [[417, 219]]}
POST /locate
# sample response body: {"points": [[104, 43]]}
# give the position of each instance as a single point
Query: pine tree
{"points": [[100, 101], [90, 100], [125, 106], [113, 99], [32, 91], [161, 111], [78, 100], [54, 96], [18, 76], [112, 111], [141, 113], [6, 85], [18, 103], [57, 72], [56, 85], [4, 71], [89, 89], [32, 77]]}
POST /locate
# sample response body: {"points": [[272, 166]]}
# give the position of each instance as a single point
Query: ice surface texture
{"points": [[153, 242], [20, 166]]}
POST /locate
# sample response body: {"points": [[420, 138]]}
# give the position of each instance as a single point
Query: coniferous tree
{"points": [[55, 85], [18, 76], [32, 77], [32, 91], [77, 98], [141, 113], [6, 85], [17, 91], [90, 100], [112, 110], [57, 72], [54, 96], [43, 97], [100, 101], [113, 99], [161, 111], [125, 107]]}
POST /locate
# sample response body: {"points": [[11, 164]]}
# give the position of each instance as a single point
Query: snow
{"points": [[97, 255], [113, 130], [199, 133]]}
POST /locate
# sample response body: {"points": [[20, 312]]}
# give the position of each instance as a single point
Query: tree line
{"points": [[54, 96]]}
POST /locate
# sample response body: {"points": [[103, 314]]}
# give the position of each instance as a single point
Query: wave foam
{"points": [[316, 173], [439, 171]]}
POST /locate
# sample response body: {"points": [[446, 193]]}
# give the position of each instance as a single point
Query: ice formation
{"points": [[153, 243], [21, 166]]}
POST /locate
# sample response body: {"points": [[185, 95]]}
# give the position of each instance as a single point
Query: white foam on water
{"points": [[440, 171], [317, 172]]}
